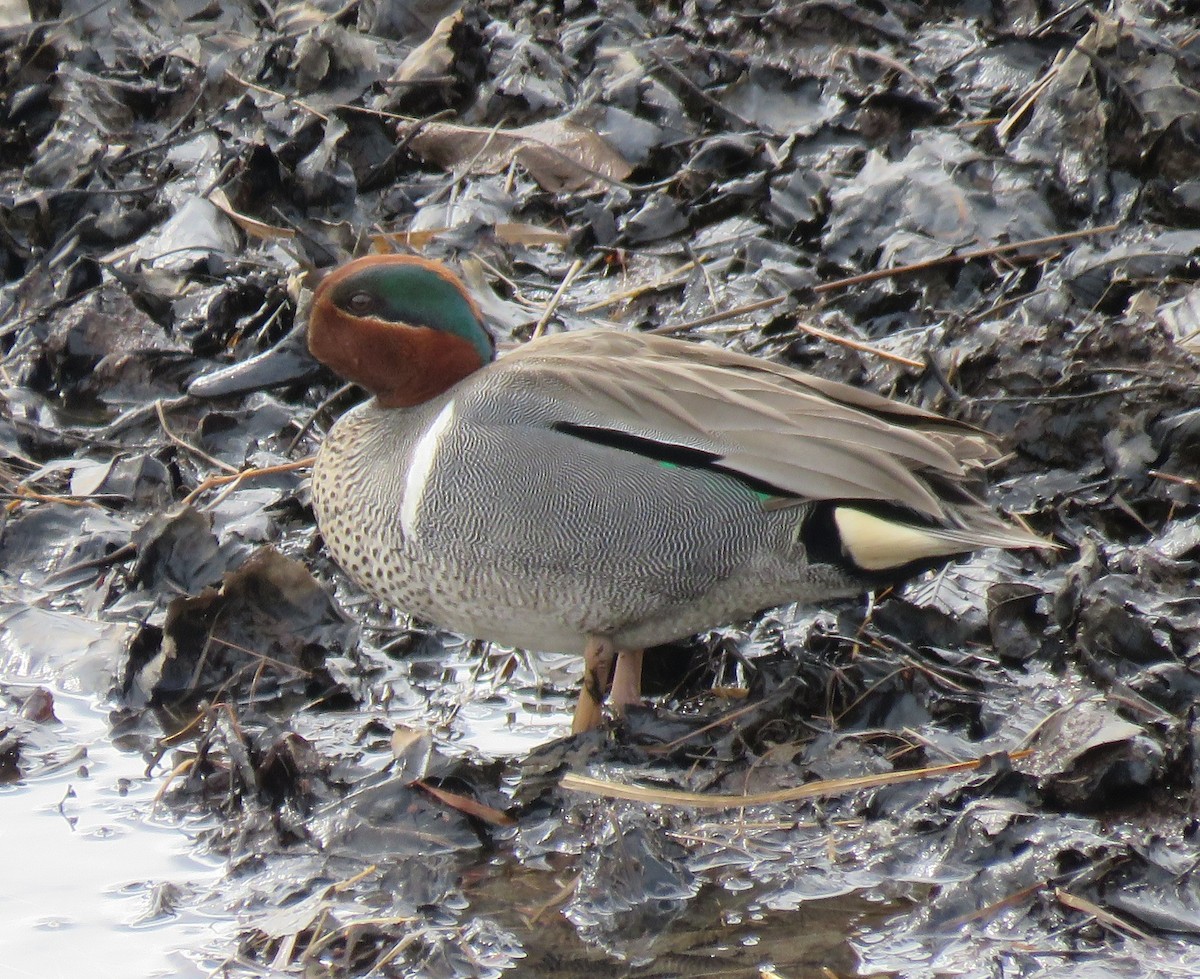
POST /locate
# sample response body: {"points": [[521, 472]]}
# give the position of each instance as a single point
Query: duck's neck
{"points": [[401, 365]]}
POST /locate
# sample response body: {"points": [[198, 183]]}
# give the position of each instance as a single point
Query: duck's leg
{"points": [[597, 667], [627, 680]]}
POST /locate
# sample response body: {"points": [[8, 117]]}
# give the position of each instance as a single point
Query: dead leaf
{"points": [[508, 232], [1106, 918], [467, 806], [517, 233], [386, 242], [1181, 319], [14, 13], [432, 58], [253, 227], [299, 16], [559, 155]]}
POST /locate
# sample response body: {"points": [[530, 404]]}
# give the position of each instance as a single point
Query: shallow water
{"points": [[87, 863], [106, 882]]}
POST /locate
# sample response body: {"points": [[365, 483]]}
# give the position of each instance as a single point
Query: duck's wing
{"points": [[798, 437]]}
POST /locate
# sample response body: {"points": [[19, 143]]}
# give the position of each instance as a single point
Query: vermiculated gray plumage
{"points": [[526, 506]]}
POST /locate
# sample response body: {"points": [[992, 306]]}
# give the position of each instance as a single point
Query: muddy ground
{"points": [[988, 209]]}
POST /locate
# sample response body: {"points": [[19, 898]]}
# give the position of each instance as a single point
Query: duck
{"points": [[600, 492]]}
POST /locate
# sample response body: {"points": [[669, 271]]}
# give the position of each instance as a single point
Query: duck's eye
{"points": [[361, 302]]}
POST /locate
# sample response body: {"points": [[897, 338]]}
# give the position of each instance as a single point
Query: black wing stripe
{"points": [[667, 453]]}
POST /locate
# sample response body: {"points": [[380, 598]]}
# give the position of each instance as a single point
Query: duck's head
{"points": [[403, 327]]}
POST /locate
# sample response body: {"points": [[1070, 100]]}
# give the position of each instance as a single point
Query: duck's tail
{"points": [[879, 543]]}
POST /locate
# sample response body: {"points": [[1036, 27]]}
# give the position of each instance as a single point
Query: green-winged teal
{"points": [[600, 492]]}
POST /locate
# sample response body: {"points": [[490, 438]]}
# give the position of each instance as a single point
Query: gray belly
{"points": [[540, 542]]}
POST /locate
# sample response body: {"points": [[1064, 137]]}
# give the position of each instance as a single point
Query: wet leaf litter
{"points": [[996, 206]]}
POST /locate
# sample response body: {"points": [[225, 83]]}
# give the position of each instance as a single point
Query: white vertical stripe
{"points": [[420, 466]]}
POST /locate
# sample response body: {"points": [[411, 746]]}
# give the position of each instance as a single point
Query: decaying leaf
{"points": [[516, 233], [466, 805], [559, 155], [432, 58], [14, 13], [509, 232], [1181, 318], [252, 226], [792, 165]]}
